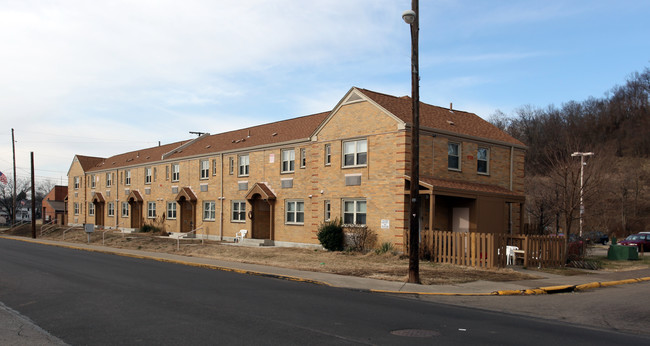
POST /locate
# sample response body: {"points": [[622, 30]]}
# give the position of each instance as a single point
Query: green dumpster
{"points": [[621, 252]]}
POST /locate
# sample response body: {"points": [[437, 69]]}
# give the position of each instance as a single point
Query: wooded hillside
{"points": [[616, 128]]}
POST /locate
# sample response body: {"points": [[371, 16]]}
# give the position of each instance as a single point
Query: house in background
{"points": [[54, 205], [280, 181]]}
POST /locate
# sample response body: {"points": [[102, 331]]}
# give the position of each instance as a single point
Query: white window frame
{"points": [[458, 155], [176, 172], [209, 210], [356, 153], [356, 203], [76, 208], [288, 160], [486, 160], [231, 166], [243, 165], [92, 181], [147, 175], [303, 157], [294, 212], [171, 210], [328, 154], [237, 214], [91, 209], [214, 166], [109, 179], [204, 169], [151, 210], [76, 183], [111, 209], [125, 209], [327, 208], [127, 177]]}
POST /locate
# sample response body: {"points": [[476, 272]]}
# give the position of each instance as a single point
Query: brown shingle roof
{"points": [[88, 162], [440, 118], [277, 132], [136, 157], [455, 185]]}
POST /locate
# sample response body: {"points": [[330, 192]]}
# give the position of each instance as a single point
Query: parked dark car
{"points": [[596, 237], [640, 240]]}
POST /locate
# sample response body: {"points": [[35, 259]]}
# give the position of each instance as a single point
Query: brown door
{"points": [[99, 214], [136, 214], [187, 216], [261, 219]]}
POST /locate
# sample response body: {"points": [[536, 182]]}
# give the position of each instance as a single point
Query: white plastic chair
{"points": [[239, 236], [510, 254]]}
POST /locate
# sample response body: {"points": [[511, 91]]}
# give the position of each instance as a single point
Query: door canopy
{"points": [[97, 198], [186, 194], [135, 196], [262, 190]]}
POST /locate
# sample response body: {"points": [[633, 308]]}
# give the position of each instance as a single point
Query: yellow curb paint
{"points": [[432, 293], [587, 286], [193, 264], [556, 288]]}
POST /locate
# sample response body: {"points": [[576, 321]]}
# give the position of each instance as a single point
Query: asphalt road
{"points": [[100, 299]]}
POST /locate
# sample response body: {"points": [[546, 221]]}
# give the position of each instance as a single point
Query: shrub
{"points": [[361, 238], [150, 228], [386, 247], [330, 235]]}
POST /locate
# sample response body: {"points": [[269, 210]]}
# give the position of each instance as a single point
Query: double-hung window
{"points": [[171, 210], [127, 177], [354, 212], [76, 183], [125, 209], [147, 175], [91, 208], [205, 169], [244, 161], [76, 208], [92, 181], [209, 210], [295, 212], [109, 179], [482, 160], [176, 172], [328, 154], [151, 210], [355, 153], [328, 210], [303, 157], [288, 160], [238, 211], [111, 209], [453, 156]]}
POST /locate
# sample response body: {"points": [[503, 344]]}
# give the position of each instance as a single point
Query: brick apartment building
{"points": [[54, 207], [279, 181]]}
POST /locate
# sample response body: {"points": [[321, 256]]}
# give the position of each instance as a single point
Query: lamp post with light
{"points": [[411, 18], [582, 166]]}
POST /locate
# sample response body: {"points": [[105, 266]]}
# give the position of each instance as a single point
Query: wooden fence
{"points": [[488, 250]]}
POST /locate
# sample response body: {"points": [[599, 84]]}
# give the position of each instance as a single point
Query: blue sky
{"points": [[101, 78]]}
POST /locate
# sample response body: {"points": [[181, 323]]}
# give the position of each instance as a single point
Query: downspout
{"points": [[221, 199]]}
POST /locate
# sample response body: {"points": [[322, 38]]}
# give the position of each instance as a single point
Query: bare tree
{"points": [[6, 195]]}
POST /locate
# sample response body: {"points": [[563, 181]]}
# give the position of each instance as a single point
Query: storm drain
{"points": [[415, 333]]}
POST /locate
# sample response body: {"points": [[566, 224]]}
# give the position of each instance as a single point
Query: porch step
{"points": [[181, 235], [256, 242]]}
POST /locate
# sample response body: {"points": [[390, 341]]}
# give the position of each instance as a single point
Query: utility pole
{"points": [[411, 17], [13, 146], [33, 199], [582, 168]]}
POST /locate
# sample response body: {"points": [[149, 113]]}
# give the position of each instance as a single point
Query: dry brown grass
{"points": [[385, 266]]}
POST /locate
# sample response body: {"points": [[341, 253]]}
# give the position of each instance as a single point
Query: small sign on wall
{"points": [[271, 158], [385, 224]]}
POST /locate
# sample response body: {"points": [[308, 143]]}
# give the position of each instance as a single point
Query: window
{"points": [[109, 179], [209, 210], [92, 181], [244, 161], [166, 172], [453, 156], [176, 172], [328, 154], [288, 160], [151, 210], [76, 183], [238, 211], [231, 166], [355, 153], [91, 209], [125, 209], [171, 210], [155, 173], [354, 212], [111, 209], [214, 167], [303, 158], [205, 169], [147, 175], [482, 159], [127, 177], [295, 212], [76, 208], [328, 211], [121, 177]]}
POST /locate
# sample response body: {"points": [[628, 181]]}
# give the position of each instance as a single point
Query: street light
{"points": [[582, 166], [411, 18]]}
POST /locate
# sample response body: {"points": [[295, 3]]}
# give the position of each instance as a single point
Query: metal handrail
{"points": [[48, 226], [178, 240], [16, 224], [68, 229], [111, 229]]}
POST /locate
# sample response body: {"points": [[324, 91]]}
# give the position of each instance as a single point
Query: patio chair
{"points": [[510, 254], [239, 236]]}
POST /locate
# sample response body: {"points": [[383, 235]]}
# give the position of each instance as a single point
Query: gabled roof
{"points": [[439, 118], [88, 162], [136, 157], [452, 186]]}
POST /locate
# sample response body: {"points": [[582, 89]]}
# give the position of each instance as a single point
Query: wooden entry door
{"points": [[187, 216], [99, 214], [136, 214], [261, 219]]}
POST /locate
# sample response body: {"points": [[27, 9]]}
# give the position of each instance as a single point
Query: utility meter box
{"points": [[89, 227]]}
